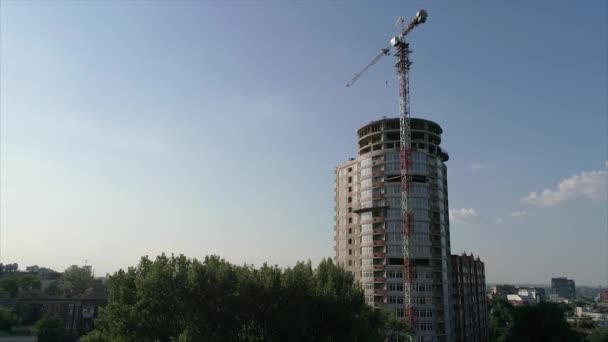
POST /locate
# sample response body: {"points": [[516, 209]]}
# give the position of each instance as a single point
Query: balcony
{"points": [[379, 292], [378, 243], [378, 219], [379, 280], [378, 185], [378, 197], [378, 173], [379, 267], [379, 255], [379, 231]]}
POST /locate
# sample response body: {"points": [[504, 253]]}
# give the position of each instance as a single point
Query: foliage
{"points": [[8, 268], [49, 329], [500, 318], [7, 319], [179, 299], [53, 289], [12, 283], [541, 322], [598, 335], [76, 280]]}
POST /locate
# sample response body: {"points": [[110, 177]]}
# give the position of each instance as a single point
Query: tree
{"points": [[53, 289], [76, 280], [13, 282], [7, 319], [500, 318], [598, 335], [541, 322], [49, 329], [179, 299]]}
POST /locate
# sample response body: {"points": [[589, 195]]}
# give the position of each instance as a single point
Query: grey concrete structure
{"points": [[368, 223]]}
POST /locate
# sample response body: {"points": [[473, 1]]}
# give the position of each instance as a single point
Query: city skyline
{"points": [[200, 128]]}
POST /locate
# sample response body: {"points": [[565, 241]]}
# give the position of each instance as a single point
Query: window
{"points": [[425, 326], [394, 249], [394, 226], [395, 287], [394, 274], [367, 262], [395, 299], [366, 182], [367, 274], [350, 262], [394, 202], [424, 287], [421, 300], [350, 252], [394, 213], [399, 313], [392, 167], [350, 230], [394, 237], [350, 241]]}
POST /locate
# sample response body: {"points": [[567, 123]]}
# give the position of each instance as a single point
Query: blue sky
{"points": [[131, 128]]}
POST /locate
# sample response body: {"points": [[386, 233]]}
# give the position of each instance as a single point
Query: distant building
{"points": [[563, 287], [603, 296], [469, 299], [39, 270], [536, 293], [599, 319], [503, 290], [516, 299]]}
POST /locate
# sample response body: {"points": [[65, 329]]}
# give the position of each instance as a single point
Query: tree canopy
{"points": [[527, 323], [598, 335], [13, 282], [49, 329], [179, 299], [7, 319], [75, 280]]}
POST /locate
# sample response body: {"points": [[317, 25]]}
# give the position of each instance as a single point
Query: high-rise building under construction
{"points": [[369, 234]]}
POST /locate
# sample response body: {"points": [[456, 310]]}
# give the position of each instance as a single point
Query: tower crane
{"points": [[402, 52]]}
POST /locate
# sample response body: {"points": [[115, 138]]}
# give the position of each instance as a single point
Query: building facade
{"points": [[563, 287], [76, 313], [368, 223], [503, 290], [469, 299]]}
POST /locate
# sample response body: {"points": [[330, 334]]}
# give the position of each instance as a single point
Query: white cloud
{"points": [[500, 221], [591, 185], [521, 213], [477, 166], [462, 215]]}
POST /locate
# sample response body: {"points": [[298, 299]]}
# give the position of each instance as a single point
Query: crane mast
{"points": [[403, 66], [402, 52]]}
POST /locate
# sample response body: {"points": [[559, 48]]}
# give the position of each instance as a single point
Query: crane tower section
{"points": [[403, 65]]}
